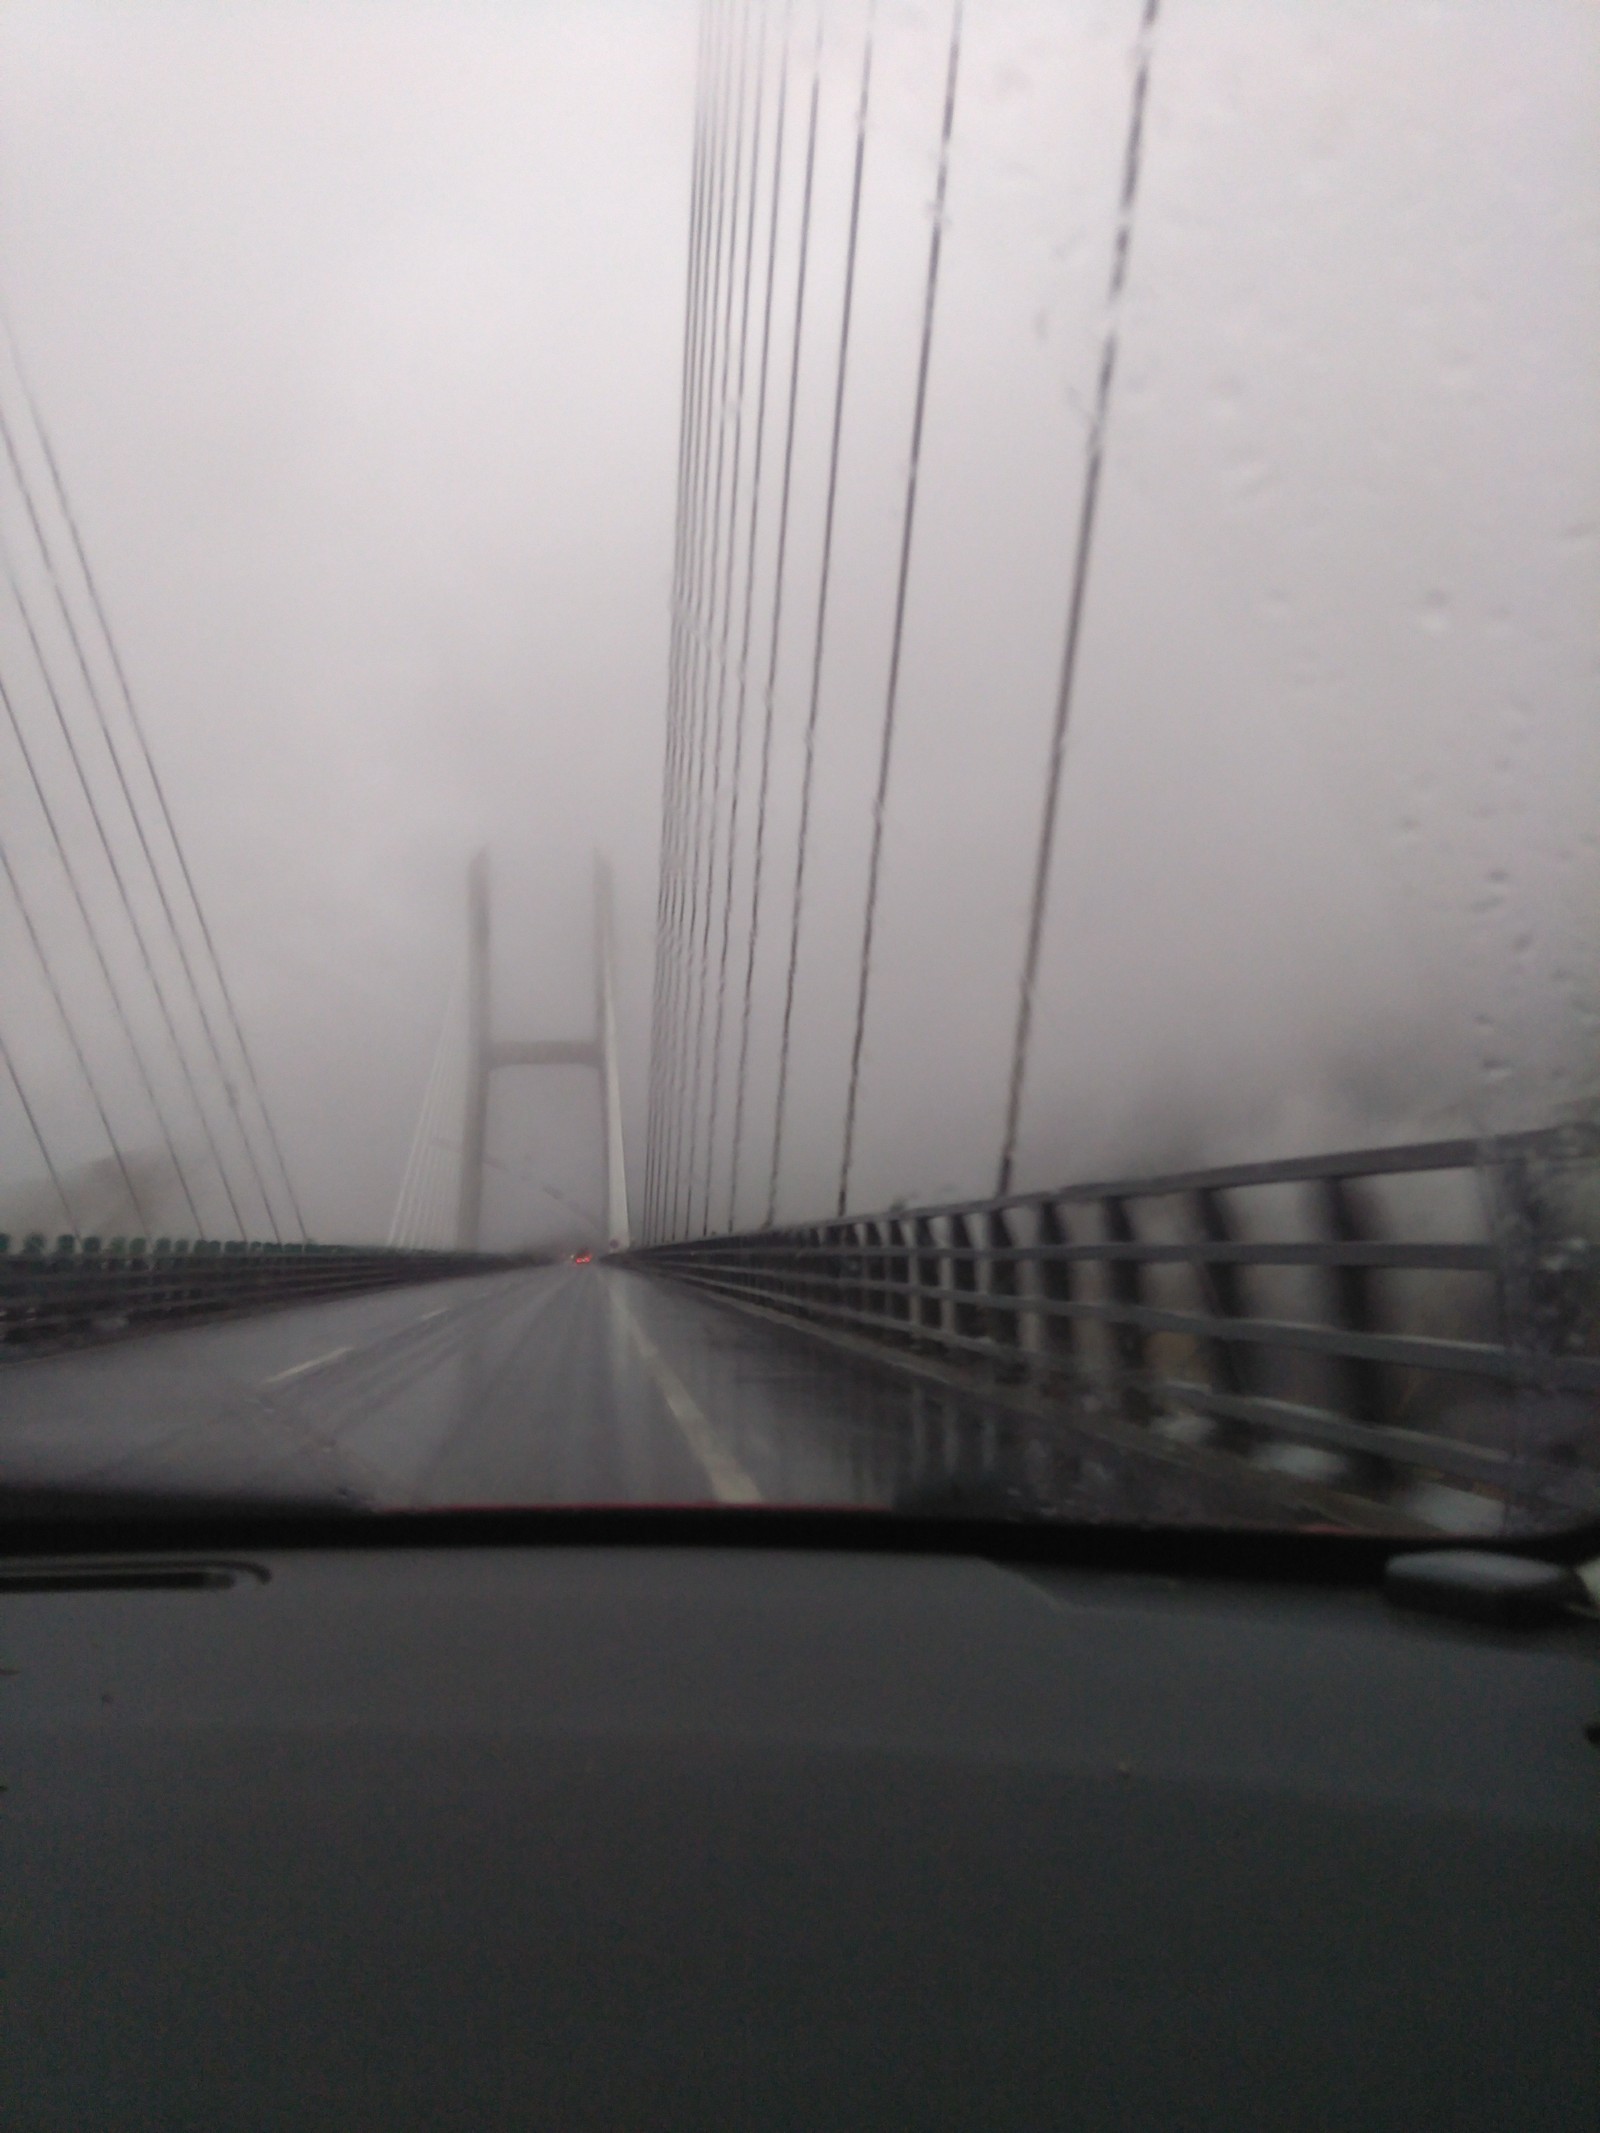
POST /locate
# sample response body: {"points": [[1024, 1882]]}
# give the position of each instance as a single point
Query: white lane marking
{"points": [[298, 1370], [729, 1481]]}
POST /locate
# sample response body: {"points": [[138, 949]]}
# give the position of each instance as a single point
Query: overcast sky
{"points": [[358, 330]]}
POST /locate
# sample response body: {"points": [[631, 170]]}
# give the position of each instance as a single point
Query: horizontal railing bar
{"points": [[1411, 1448], [1480, 1258], [145, 1281], [1578, 1142], [971, 1283], [970, 1343], [1287, 1419], [43, 1300], [1404, 1351], [1574, 1143]]}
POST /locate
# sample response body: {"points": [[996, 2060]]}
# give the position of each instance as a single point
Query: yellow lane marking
{"points": [[729, 1481]]}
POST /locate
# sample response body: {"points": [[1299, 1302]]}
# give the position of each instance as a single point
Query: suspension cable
{"points": [[822, 617], [137, 724], [716, 656], [33, 1125], [687, 860], [700, 621], [48, 555], [127, 905], [404, 1209], [673, 821], [774, 636], [671, 752], [67, 1023], [1080, 578], [112, 988], [722, 655], [749, 591], [880, 797]]}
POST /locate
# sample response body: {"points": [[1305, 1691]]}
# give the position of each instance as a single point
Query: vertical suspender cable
{"points": [[822, 618], [1080, 578], [886, 745]]}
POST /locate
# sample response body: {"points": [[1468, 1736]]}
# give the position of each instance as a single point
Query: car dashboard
{"points": [[654, 1832]]}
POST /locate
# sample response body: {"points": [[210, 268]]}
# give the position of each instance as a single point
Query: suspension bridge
{"points": [[1401, 1338]]}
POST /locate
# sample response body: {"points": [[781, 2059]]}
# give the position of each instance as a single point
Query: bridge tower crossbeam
{"points": [[488, 1055]]}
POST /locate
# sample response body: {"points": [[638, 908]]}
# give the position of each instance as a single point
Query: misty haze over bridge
{"points": [[1079, 1048]]}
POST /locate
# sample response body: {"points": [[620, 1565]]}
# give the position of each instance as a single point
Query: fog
{"points": [[359, 332]]}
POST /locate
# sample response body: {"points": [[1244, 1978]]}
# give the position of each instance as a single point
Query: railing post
{"points": [[874, 1289], [829, 1288], [1005, 1319], [1364, 1386], [1535, 1300], [1060, 1341], [1129, 1343], [930, 1304], [1222, 1287], [964, 1280], [899, 1274]]}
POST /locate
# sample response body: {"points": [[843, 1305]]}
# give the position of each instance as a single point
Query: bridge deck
{"points": [[550, 1385]]}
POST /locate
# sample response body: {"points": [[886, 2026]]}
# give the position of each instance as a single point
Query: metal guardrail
{"points": [[70, 1289], [1421, 1312]]}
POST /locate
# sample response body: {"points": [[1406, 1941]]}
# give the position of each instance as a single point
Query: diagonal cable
{"points": [[687, 614], [117, 1001], [886, 746], [806, 775], [76, 642], [33, 1125], [749, 590], [700, 621], [1080, 580], [137, 724], [676, 770], [774, 636], [127, 904], [68, 1025], [690, 615], [716, 660], [722, 654], [671, 752]]}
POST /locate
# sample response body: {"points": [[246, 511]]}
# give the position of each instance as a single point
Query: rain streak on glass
{"points": [[802, 751]]}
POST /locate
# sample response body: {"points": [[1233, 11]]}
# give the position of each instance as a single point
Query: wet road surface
{"points": [[551, 1385]]}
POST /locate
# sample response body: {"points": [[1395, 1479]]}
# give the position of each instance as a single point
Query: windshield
{"points": [[801, 751]]}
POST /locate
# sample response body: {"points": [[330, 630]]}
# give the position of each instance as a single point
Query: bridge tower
{"points": [[488, 1054]]}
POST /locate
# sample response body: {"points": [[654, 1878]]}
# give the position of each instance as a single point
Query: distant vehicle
{"points": [[582, 1258]]}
